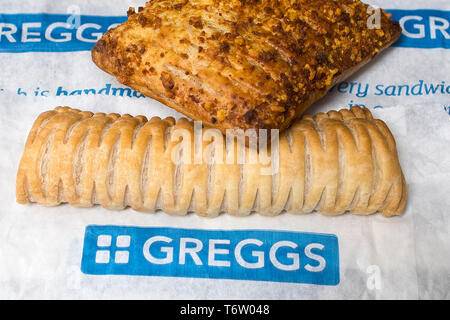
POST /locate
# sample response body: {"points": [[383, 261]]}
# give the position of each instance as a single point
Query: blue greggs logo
{"points": [[423, 28], [59, 33], [44, 32], [263, 255]]}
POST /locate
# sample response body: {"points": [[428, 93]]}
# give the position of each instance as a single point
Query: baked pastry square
{"points": [[243, 64]]}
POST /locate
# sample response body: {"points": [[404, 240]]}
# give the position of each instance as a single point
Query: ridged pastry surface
{"points": [[242, 64], [331, 163]]}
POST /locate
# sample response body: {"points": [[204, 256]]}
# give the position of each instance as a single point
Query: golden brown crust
{"points": [[242, 64], [332, 163]]}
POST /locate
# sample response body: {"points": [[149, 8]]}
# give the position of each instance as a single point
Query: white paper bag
{"points": [[73, 253]]}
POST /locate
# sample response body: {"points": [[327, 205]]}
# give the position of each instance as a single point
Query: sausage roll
{"points": [[335, 162]]}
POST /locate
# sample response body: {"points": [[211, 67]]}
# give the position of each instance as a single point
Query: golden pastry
{"points": [[332, 163], [243, 64]]}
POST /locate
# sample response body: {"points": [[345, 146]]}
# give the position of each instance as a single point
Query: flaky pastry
{"points": [[332, 163], [243, 64]]}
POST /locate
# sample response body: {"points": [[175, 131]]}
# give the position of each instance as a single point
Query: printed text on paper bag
{"points": [[262, 255], [44, 32]]}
